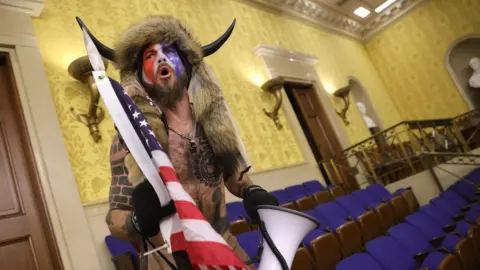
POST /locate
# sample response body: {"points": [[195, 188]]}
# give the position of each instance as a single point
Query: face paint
{"points": [[159, 61], [164, 75]]}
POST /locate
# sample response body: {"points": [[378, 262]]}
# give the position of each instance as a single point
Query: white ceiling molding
{"points": [[266, 51], [327, 18], [30, 7], [389, 16]]}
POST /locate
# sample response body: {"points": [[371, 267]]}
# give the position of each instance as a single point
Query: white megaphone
{"points": [[283, 230]]}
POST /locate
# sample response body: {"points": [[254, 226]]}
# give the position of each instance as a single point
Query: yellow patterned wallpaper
{"points": [[410, 57], [237, 69]]}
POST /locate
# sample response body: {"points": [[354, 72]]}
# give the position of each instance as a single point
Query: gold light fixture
{"points": [[81, 70], [343, 93], [274, 87]]}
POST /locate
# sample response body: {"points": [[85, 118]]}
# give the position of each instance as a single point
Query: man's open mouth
{"points": [[164, 72]]}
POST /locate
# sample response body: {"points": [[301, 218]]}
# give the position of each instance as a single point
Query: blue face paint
{"points": [[172, 54]]}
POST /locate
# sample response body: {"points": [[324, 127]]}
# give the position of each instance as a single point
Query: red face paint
{"points": [[150, 62]]}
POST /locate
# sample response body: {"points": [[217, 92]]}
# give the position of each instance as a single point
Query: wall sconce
{"points": [[81, 70], [343, 94], [274, 87]]}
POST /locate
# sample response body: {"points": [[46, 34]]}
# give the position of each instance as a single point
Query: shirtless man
{"points": [[159, 59]]}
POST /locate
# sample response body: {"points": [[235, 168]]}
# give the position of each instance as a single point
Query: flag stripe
{"points": [[178, 241], [211, 256], [177, 192], [199, 230], [168, 174], [189, 211]]}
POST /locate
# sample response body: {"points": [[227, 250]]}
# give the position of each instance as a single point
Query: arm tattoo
{"points": [[239, 180], [120, 189], [220, 224]]}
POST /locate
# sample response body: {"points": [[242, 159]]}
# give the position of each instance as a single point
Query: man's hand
{"points": [[147, 211], [254, 196], [239, 180]]}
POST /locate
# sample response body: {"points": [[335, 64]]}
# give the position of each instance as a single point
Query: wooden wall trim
{"points": [[67, 217]]}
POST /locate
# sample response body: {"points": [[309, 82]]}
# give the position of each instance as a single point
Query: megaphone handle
{"points": [[272, 246]]}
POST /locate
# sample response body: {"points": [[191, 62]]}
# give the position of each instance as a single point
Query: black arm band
{"points": [[168, 209], [250, 189], [165, 211], [131, 228]]}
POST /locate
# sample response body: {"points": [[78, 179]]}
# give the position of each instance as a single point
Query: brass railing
{"points": [[396, 153]]}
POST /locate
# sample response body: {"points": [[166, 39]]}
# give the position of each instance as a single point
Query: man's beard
{"points": [[168, 96]]}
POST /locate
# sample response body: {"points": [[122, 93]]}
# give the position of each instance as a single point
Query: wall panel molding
{"points": [[30, 7]]}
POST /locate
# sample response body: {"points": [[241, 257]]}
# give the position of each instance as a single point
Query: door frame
{"points": [[299, 68], [32, 171], [58, 187]]}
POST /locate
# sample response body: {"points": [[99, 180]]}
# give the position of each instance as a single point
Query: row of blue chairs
{"points": [[300, 197], [345, 223], [443, 234], [381, 230], [286, 197]]}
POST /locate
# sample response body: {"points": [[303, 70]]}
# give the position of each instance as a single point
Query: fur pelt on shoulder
{"points": [[208, 102]]}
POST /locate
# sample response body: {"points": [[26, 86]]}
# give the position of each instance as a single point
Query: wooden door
{"points": [[25, 239], [318, 130]]}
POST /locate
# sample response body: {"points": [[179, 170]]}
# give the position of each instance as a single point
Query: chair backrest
{"points": [[306, 203], [250, 242], [425, 224], [465, 189], [352, 205], [302, 260], [333, 213], [317, 232], [390, 254], [410, 237], [387, 214], [337, 191], [362, 259], [118, 247], [380, 191], [399, 191], [322, 197], [318, 216], [454, 198], [235, 211], [312, 236], [281, 196], [313, 186], [438, 260], [437, 214], [239, 226], [296, 192], [474, 175], [446, 205], [366, 198], [401, 208], [411, 200]]}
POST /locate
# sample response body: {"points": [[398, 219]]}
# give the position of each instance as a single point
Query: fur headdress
{"points": [[208, 102]]}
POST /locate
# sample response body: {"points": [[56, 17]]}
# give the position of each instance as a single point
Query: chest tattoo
{"points": [[203, 159]]}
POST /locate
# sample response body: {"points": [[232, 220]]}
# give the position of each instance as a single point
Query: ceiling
{"points": [[338, 15], [346, 7]]}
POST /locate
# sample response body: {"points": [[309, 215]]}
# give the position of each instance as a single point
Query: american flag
{"points": [[191, 231]]}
